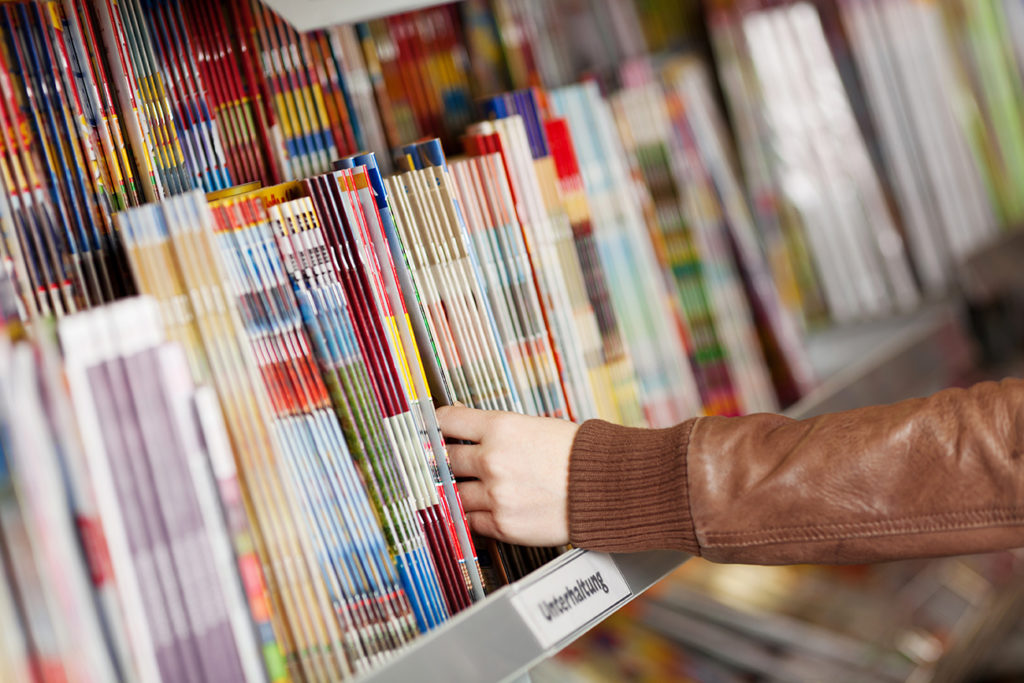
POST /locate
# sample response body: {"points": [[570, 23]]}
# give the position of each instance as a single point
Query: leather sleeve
{"points": [[940, 475]]}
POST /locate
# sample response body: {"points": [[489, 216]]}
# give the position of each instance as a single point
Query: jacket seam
{"points": [[1005, 510], [970, 519], [687, 440]]}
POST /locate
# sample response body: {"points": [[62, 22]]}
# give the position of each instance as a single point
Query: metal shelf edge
{"points": [[491, 641]]}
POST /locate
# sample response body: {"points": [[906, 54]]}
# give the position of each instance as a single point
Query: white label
{"points": [[571, 597]]}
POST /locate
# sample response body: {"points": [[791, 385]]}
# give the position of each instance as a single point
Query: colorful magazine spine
{"points": [[653, 334]]}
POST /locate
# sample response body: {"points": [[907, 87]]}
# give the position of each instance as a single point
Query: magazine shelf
{"points": [[881, 361]]}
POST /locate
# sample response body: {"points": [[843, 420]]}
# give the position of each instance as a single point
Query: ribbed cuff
{"points": [[627, 488]]}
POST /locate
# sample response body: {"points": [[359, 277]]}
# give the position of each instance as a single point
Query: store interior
{"points": [[633, 210]]}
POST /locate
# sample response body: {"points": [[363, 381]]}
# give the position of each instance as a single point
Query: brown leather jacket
{"points": [[941, 475]]}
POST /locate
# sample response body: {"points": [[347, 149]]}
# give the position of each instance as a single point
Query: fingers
{"points": [[483, 523], [474, 496], [465, 460], [460, 422]]}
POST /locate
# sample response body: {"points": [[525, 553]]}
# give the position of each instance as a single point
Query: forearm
{"points": [[935, 476]]}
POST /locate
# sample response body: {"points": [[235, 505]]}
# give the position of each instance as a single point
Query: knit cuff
{"points": [[627, 488]]}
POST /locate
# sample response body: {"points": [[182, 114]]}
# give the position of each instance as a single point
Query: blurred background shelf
{"points": [[882, 361], [774, 647], [953, 619]]}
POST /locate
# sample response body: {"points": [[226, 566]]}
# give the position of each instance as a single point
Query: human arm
{"points": [[925, 477]]}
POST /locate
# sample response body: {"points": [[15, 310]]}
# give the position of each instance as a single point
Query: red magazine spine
{"points": [[218, 104], [316, 47], [444, 526], [254, 85], [240, 107], [388, 386]]}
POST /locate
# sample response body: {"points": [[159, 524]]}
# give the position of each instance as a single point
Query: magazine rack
{"points": [[875, 362], [869, 363]]}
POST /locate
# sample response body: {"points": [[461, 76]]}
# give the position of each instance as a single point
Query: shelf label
{"points": [[572, 597]]}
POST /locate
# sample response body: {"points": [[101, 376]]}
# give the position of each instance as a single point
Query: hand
{"points": [[521, 470]]}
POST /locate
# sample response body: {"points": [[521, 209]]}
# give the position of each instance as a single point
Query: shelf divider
{"points": [[309, 15]]}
